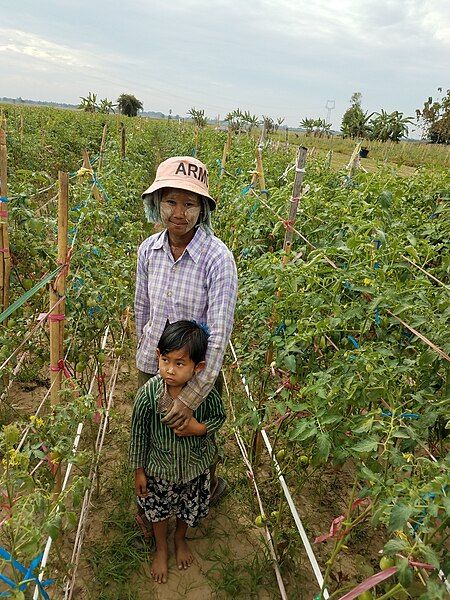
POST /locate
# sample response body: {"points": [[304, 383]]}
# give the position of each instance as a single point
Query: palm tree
{"points": [[391, 126], [198, 116], [89, 104], [106, 106], [308, 124], [129, 105]]}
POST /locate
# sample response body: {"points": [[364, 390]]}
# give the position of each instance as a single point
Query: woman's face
{"points": [[180, 210]]}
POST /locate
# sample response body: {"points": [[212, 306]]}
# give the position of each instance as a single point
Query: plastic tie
{"points": [[4, 213], [65, 266], [56, 317], [27, 573], [4, 250], [61, 366], [4, 199], [264, 192], [288, 224], [354, 341], [295, 199], [377, 316]]}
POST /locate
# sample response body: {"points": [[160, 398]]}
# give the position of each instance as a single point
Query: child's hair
{"points": [[184, 334]]}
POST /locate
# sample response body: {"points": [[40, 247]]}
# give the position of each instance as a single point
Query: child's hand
{"points": [[192, 427], [140, 483]]}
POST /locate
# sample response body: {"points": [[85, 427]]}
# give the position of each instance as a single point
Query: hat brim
{"points": [[181, 185]]}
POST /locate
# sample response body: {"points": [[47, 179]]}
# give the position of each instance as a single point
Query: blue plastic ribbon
{"points": [[96, 182], [4, 199], [281, 328], [387, 413], [347, 284], [194, 152], [377, 316], [264, 192], [353, 341], [28, 575], [377, 243], [246, 189]]}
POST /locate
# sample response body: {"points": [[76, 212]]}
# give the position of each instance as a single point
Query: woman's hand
{"points": [[140, 483], [192, 427], [178, 415]]}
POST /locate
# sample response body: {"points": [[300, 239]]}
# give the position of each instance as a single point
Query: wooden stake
{"points": [[293, 202], [123, 141], [5, 258], [259, 171], [102, 147], [226, 151], [58, 290], [353, 163]]}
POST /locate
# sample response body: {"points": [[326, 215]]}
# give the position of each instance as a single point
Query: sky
{"points": [[280, 58]]}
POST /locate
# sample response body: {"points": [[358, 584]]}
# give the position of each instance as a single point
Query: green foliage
{"points": [[129, 105], [435, 118]]}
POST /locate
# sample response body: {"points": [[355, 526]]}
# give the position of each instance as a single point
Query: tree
{"points": [[391, 126], [435, 119], [355, 122], [198, 116], [89, 104], [106, 106], [129, 105]]}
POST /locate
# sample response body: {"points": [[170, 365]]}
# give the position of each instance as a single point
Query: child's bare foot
{"points": [[159, 566], [183, 554]]}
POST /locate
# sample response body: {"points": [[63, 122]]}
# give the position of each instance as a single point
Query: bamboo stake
{"points": [[293, 202], [353, 163], [21, 128], [102, 147], [226, 151], [5, 258], [123, 141], [88, 166], [259, 170], [57, 292]]}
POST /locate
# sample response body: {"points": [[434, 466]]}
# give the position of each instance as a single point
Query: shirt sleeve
{"points": [[215, 417], [222, 295], [140, 431], [141, 299]]}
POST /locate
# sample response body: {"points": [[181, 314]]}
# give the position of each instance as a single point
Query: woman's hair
{"points": [[152, 208], [185, 334]]}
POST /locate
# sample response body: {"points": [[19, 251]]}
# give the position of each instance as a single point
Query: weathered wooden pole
{"points": [[102, 147], [123, 142], [57, 291], [226, 151], [5, 258], [293, 202], [259, 171]]}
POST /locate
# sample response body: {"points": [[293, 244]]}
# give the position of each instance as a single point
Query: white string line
{"points": [[14, 373], [32, 332], [245, 457], [76, 442], [298, 522], [79, 538]]}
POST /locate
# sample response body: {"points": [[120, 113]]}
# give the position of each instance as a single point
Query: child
{"points": [[172, 465]]}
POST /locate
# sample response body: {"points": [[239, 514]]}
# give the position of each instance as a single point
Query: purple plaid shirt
{"points": [[200, 285]]}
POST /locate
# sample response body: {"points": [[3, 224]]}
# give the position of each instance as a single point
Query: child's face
{"points": [[177, 368]]}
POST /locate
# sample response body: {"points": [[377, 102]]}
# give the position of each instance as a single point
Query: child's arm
{"points": [[140, 483], [140, 438], [192, 428], [214, 418]]}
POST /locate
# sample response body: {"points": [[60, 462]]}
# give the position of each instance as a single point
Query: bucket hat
{"points": [[182, 172]]}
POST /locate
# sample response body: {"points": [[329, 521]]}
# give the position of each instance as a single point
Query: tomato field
{"points": [[343, 341]]}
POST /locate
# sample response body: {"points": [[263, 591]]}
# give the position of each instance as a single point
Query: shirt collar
{"points": [[194, 248]]}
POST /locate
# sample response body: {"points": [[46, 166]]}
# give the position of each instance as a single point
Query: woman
{"points": [[184, 272]]}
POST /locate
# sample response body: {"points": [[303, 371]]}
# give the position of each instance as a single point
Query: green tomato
{"points": [[304, 460], [367, 595], [101, 357], [27, 283], [259, 521], [386, 562], [91, 302], [275, 514], [118, 350], [281, 454]]}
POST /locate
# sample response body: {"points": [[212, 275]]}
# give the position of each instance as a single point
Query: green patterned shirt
{"points": [[159, 450]]}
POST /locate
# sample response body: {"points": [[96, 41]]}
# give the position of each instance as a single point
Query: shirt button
{"points": [[169, 294]]}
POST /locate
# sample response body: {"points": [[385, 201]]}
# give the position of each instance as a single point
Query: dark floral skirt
{"points": [[188, 501]]}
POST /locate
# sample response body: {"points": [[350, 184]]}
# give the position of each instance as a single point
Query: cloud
{"points": [[20, 42]]}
